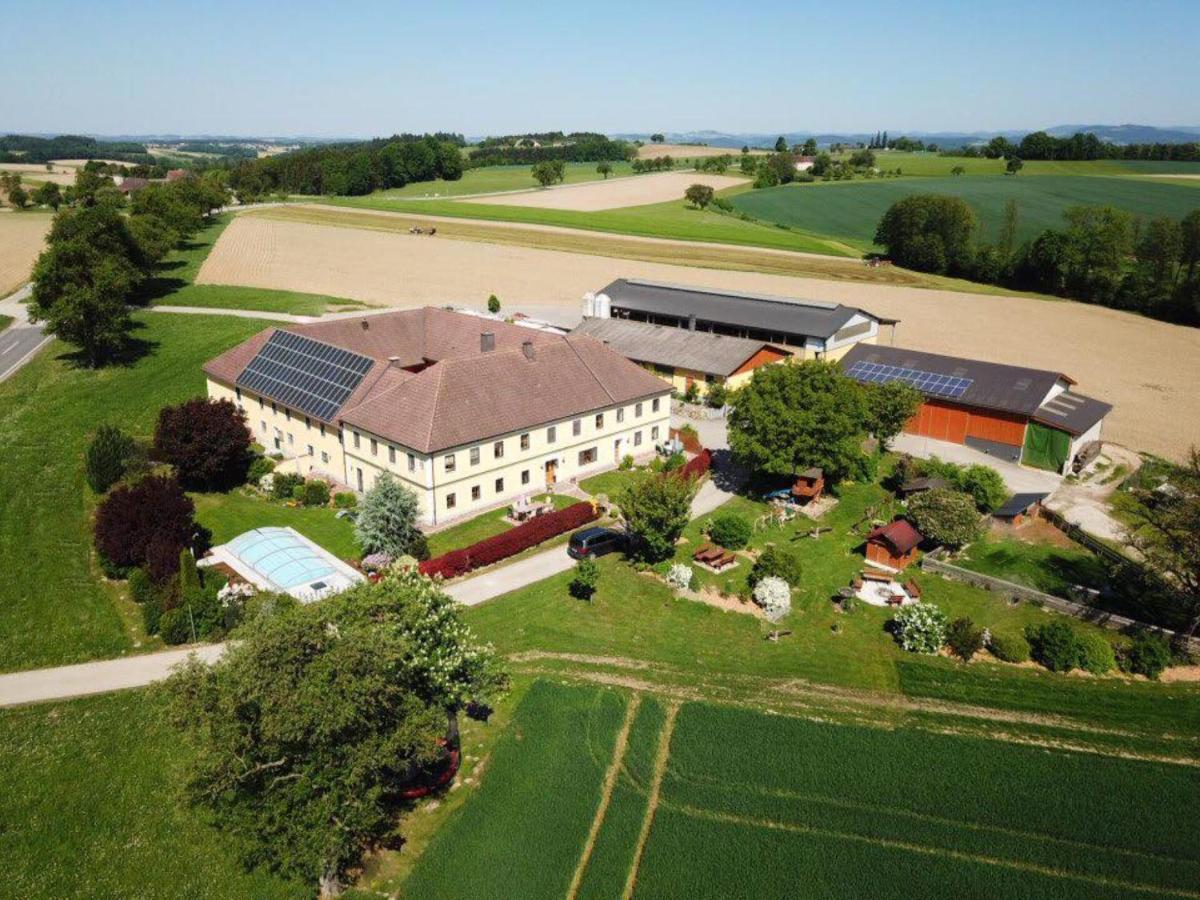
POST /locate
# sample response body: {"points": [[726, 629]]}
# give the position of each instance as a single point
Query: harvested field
{"points": [[22, 237], [613, 194], [1146, 368], [650, 151], [35, 172]]}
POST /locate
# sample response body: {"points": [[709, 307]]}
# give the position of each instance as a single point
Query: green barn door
{"points": [[1046, 447]]}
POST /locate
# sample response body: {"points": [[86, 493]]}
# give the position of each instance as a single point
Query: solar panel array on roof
{"points": [[311, 376], [926, 382]]}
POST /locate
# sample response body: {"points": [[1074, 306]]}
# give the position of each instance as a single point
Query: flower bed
{"points": [[509, 543]]}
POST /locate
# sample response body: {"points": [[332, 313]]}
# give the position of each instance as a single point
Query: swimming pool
{"points": [[283, 560]]}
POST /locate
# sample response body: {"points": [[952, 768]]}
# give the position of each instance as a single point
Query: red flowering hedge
{"points": [[509, 543], [698, 465]]}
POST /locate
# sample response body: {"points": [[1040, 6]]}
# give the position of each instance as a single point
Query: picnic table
{"points": [[523, 509]]}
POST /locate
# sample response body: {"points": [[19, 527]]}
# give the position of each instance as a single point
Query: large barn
{"points": [[1022, 415]]}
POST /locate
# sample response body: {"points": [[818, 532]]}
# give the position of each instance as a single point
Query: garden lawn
{"points": [[490, 179], [484, 525], [91, 808], [54, 609], [1043, 567], [523, 831], [612, 482], [228, 515], [850, 211]]}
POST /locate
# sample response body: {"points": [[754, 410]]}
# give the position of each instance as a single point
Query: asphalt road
{"points": [[20, 341]]}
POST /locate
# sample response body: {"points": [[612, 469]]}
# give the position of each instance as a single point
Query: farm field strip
{"points": [[22, 238], [616, 193]]}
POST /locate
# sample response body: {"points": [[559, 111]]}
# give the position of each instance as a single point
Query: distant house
{"points": [[894, 545], [132, 184], [1015, 413], [176, 174], [804, 163]]}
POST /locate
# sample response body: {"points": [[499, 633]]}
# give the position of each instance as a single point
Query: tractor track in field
{"points": [[661, 758], [924, 849], [829, 703]]}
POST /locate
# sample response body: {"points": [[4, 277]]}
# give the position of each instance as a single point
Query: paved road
{"points": [[21, 341], [63, 682]]}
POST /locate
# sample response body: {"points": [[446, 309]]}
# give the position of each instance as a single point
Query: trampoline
{"points": [[285, 561]]}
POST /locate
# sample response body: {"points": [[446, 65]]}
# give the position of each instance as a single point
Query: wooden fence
{"points": [[1079, 536], [931, 563]]}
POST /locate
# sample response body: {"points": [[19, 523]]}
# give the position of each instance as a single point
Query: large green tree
{"points": [[890, 406], [790, 417], [313, 722], [387, 520], [948, 517], [929, 233], [656, 510]]}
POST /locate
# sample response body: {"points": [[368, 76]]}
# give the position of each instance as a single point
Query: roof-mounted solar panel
{"points": [[307, 375], [932, 383]]}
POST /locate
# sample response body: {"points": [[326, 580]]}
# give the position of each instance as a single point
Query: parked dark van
{"points": [[593, 542]]}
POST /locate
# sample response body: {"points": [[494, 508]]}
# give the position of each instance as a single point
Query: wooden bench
{"points": [[879, 577], [707, 552], [724, 560], [913, 589]]}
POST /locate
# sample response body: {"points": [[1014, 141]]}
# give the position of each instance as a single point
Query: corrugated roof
{"points": [[781, 315], [1013, 389], [1071, 412], [665, 345], [1018, 504]]}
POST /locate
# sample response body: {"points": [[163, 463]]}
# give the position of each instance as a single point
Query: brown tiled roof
{"points": [[899, 536], [464, 395]]}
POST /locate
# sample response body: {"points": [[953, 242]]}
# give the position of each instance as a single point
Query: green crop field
{"points": [[926, 164], [709, 801], [490, 179], [850, 211]]}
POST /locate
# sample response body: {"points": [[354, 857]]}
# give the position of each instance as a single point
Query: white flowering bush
{"points": [[774, 596], [680, 576], [920, 627], [267, 482], [235, 594]]}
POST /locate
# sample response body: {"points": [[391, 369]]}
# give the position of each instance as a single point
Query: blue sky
{"points": [[366, 68]]}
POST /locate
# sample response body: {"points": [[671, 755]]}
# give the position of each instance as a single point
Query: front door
{"points": [[551, 472]]}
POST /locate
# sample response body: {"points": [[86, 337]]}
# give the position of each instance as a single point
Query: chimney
{"points": [[365, 324], [527, 349], [394, 361], [487, 342]]}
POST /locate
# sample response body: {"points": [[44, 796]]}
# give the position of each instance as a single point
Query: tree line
{"points": [[351, 169], [576, 147], [1079, 146], [101, 255], [1102, 255], [28, 149]]}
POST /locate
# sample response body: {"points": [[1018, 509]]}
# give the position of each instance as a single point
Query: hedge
{"points": [[698, 465], [509, 543]]}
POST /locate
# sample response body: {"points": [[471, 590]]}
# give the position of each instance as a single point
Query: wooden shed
{"points": [[894, 545], [809, 486], [1018, 508]]}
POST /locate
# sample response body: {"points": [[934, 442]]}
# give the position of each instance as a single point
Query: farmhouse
{"points": [[1014, 413], [684, 357], [468, 413], [804, 163], [806, 329]]}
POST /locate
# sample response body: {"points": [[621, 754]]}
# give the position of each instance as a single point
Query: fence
{"points": [[1079, 536], [931, 563]]}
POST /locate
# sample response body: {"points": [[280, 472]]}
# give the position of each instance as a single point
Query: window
{"points": [[291, 440], [498, 449], [450, 501], [310, 450], [654, 433], [499, 485], [551, 434], [360, 480], [577, 427], [588, 456], [392, 455], [412, 463], [238, 392], [637, 439], [324, 457], [599, 420], [356, 440], [525, 477], [263, 423], [475, 492], [374, 447], [450, 463], [287, 414], [709, 378], [322, 429], [307, 423], [621, 415], [654, 404], [274, 409], [525, 442], [637, 411], [474, 456]]}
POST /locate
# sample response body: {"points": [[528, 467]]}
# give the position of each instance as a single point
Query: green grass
{"points": [[490, 179], [523, 831], [5, 321], [91, 808], [54, 609], [931, 164], [612, 482], [228, 515], [1044, 567], [850, 211], [482, 526]]}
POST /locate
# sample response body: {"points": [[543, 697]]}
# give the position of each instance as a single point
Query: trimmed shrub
{"points": [[175, 626], [1098, 655], [779, 562], [774, 596], [730, 530], [1056, 646], [345, 500], [964, 638], [680, 576], [261, 466], [189, 575], [151, 614], [587, 576], [697, 467], [387, 519], [1148, 654], [141, 588], [717, 396], [315, 493], [920, 627], [206, 441], [509, 543], [1011, 648], [106, 456], [145, 524], [284, 484], [626, 463]]}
